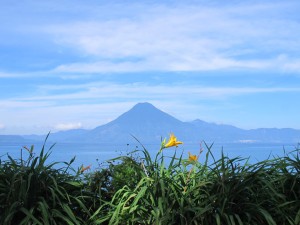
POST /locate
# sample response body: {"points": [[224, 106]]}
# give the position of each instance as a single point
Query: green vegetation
{"points": [[145, 190]]}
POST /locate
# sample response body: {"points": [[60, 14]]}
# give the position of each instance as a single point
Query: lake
{"points": [[95, 154]]}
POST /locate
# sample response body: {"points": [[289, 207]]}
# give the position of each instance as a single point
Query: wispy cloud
{"points": [[113, 91], [10, 75], [76, 63], [99, 103], [182, 63], [164, 37], [88, 98], [2, 126], [185, 38], [68, 126], [292, 65]]}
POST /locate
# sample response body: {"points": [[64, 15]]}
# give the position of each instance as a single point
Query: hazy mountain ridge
{"points": [[11, 138], [149, 124], [143, 121]]}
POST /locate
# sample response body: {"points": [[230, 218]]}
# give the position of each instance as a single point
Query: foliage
{"points": [[229, 191], [152, 190], [105, 182], [32, 192]]}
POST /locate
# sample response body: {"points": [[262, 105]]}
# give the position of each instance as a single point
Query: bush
{"points": [[32, 192], [229, 191], [145, 190]]}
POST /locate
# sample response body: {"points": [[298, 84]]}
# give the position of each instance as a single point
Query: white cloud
{"points": [[292, 65], [185, 38], [25, 74], [2, 74], [183, 64], [90, 95], [101, 91], [94, 104], [28, 120], [9, 75], [68, 126], [2, 126], [205, 36]]}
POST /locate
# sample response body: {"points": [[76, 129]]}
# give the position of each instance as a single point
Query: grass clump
{"points": [[228, 191], [33, 192], [153, 190]]}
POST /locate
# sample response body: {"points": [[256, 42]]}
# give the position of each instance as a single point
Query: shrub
{"points": [[32, 192], [146, 190], [229, 191]]}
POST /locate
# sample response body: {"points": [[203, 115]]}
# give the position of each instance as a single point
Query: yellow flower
{"points": [[193, 158], [172, 142], [85, 168]]}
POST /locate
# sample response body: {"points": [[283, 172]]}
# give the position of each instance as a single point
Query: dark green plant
{"points": [[229, 191], [34, 192], [146, 190]]}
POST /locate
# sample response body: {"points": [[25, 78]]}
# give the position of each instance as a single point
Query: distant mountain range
{"points": [[149, 124]]}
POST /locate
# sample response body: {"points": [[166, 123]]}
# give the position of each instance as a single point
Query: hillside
{"points": [[149, 124]]}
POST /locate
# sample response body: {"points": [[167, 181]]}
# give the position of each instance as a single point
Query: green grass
{"points": [[145, 190], [33, 192]]}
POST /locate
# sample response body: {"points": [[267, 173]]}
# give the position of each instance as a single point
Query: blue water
{"points": [[97, 155]]}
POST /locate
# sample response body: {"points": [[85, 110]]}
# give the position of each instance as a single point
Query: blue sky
{"points": [[80, 64]]}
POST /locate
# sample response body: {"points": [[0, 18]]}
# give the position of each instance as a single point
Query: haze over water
{"points": [[94, 154]]}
